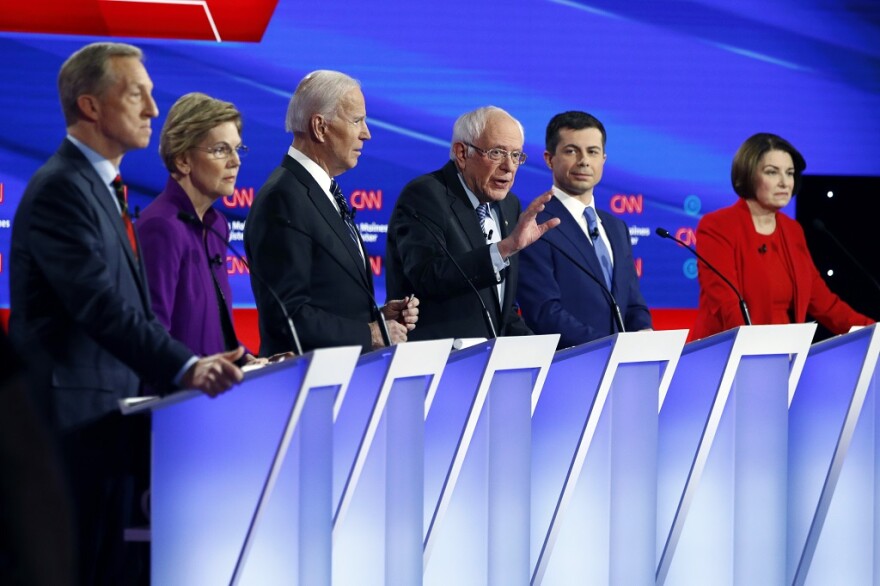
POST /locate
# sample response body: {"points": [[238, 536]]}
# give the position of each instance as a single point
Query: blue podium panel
{"points": [[238, 479], [478, 428], [833, 515], [594, 432], [378, 523], [722, 500]]}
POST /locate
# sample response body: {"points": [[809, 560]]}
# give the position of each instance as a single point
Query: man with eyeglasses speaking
{"points": [[454, 233]]}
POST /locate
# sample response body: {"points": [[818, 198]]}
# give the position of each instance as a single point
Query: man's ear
{"points": [[89, 107], [318, 127], [460, 150]]}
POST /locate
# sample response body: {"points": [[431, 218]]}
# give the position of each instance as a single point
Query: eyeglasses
{"points": [[497, 155], [224, 151]]}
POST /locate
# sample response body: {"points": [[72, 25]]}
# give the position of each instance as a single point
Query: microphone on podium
{"points": [[744, 310], [486, 317], [380, 318], [194, 221], [618, 318]]}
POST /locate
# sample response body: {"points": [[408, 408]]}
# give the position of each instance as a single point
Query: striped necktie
{"points": [[122, 196], [347, 215], [483, 213]]}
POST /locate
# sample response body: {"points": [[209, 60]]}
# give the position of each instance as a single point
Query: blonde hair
{"points": [[190, 118]]}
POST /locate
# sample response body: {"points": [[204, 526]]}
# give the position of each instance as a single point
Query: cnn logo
{"points": [[370, 199], [240, 198], [622, 203], [687, 235]]}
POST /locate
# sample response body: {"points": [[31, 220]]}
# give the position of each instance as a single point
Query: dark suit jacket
{"points": [[311, 264], [727, 239], [557, 297], [81, 314], [416, 263]]}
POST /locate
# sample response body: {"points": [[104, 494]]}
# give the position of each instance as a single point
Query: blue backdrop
{"points": [[678, 85]]}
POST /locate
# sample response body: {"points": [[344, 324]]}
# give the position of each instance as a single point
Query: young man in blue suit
{"points": [[571, 278]]}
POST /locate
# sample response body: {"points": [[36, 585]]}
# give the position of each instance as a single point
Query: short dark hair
{"points": [[745, 162], [87, 72], [573, 120]]}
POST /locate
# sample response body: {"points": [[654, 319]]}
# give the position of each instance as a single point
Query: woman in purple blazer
{"points": [[183, 238]]}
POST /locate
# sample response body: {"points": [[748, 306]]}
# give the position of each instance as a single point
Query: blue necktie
{"points": [[601, 250]]}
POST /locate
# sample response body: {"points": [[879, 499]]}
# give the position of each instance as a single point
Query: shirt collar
{"points": [[475, 202], [106, 170], [314, 169], [574, 206]]}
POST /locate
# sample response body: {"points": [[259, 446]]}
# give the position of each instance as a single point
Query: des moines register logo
{"points": [[207, 20]]}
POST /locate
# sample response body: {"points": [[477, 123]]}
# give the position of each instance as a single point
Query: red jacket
{"points": [[727, 239]]}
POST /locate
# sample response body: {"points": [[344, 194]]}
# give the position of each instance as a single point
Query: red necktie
{"points": [[122, 196]]}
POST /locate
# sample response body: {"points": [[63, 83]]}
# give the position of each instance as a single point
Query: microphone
{"points": [[486, 317], [618, 318], [594, 233], [216, 261], [820, 225], [380, 319], [744, 310], [762, 249], [194, 221], [489, 235]]}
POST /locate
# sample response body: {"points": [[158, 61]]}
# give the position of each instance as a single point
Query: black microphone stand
{"points": [[194, 221]]}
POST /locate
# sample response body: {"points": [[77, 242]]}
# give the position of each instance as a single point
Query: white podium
{"points": [[241, 484], [594, 471], [833, 508], [379, 465], [477, 475], [722, 457]]}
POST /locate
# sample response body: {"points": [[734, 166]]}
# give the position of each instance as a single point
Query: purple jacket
{"points": [[178, 272]]}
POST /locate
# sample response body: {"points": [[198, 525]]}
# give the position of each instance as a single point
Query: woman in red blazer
{"points": [[762, 251]]}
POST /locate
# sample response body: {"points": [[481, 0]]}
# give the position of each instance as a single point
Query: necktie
{"points": [[483, 213], [346, 213], [122, 197], [601, 250]]}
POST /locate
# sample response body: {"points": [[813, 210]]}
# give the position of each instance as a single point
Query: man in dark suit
{"points": [[81, 316], [300, 236], [566, 278], [467, 209]]}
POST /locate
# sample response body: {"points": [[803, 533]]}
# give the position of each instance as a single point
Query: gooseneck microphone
{"points": [[194, 221], [820, 225], [618, 318], [486, 317], [744, 310], [380, 318]]}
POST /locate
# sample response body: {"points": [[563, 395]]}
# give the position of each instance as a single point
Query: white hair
{"points": [[319, 92], [471, 125]]}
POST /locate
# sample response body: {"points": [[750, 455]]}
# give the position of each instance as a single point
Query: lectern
{"points": [[833, 508], [722, 457], [241, 484], [594, 470]]}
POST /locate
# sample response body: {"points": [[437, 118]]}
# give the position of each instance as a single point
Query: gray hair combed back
{"points": [[319, 92]]}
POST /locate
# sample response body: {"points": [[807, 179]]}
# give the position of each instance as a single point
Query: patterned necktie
{"points": [[346, 213], [483, 213], [601, 250], [122, 197]]}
